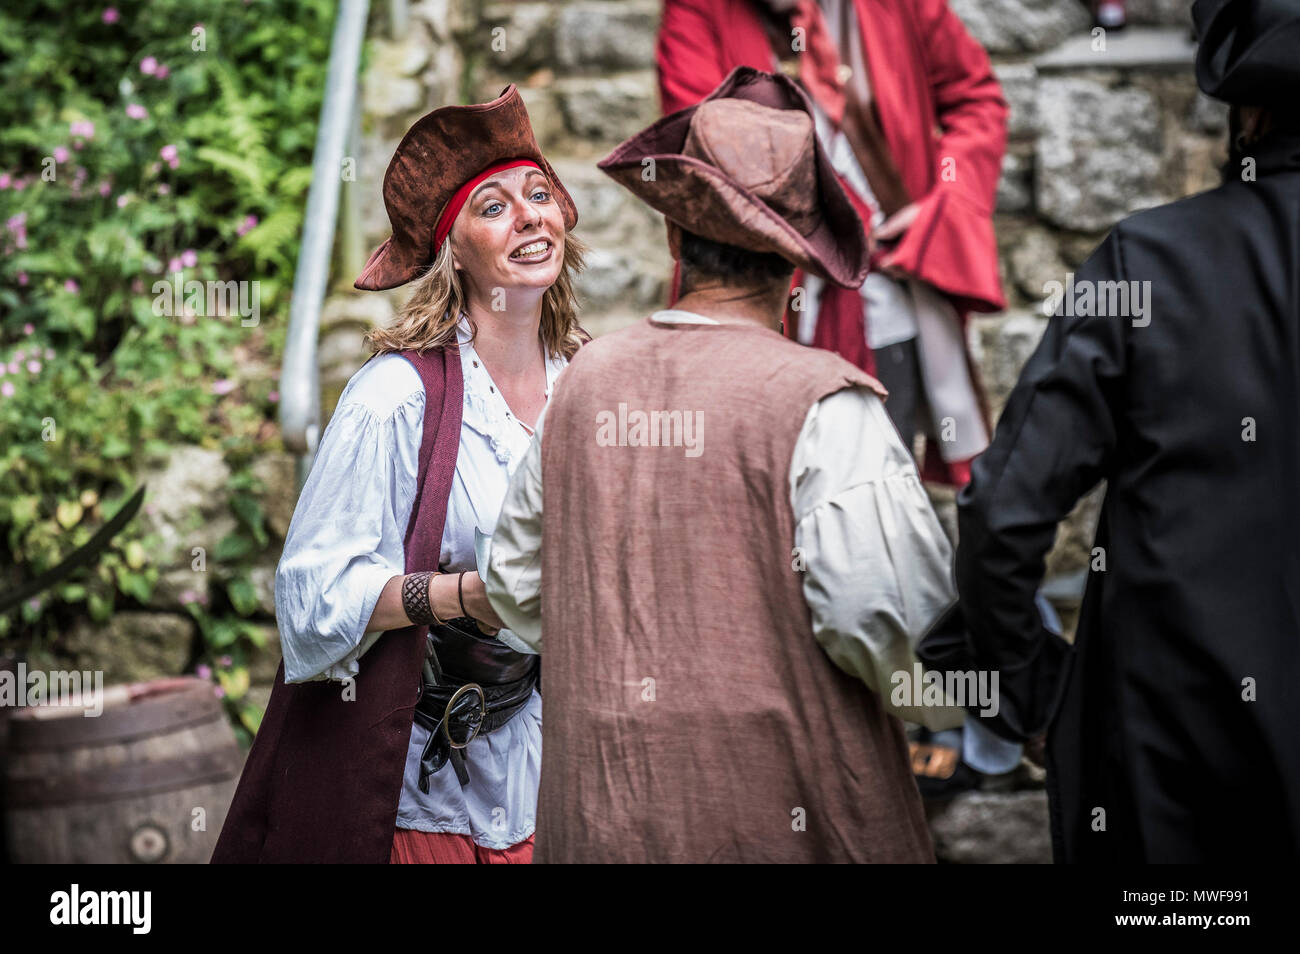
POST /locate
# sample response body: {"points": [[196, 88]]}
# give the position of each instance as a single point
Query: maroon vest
{"points": [[324, 776]]}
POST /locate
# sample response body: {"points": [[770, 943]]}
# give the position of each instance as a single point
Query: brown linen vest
{"points": [[690, 714]]}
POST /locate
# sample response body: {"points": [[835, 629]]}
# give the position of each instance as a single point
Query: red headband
{"points": [[452, 209]]}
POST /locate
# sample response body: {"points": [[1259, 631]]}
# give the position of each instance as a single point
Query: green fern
{"points": [[242, 169], [273, 241]]}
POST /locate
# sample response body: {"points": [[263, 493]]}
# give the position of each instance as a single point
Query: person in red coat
{"points": [[916, 122]]}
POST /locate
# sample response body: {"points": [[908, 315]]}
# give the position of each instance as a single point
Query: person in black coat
{"points": [[1173, 720]]}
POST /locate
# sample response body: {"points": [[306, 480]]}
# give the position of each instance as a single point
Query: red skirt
{"points": [[412, 847]]}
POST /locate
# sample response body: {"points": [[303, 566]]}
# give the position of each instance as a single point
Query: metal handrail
{"points": [[300, 412]]}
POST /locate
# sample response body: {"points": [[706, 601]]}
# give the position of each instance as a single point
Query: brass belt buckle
{"points": [[451, 704]]}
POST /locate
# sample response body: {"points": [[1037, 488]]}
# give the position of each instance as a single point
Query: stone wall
{"points": [[1100, 126]]}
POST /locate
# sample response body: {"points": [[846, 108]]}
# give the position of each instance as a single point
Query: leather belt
{"points": [[472, 684]]}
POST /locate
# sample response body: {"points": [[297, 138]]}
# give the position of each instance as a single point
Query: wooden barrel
{"points": [[149, 779]]}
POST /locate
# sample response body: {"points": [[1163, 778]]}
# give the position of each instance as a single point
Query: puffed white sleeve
{"points": [[514, 576], [877, 566], [347, 538]]}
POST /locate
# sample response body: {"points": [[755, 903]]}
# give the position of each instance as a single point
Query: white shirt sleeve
{"points": [[514, 576], [877, 564], [347, 537]]}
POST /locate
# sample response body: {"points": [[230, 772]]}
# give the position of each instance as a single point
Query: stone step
{"points": [[1152, 48], [986, 828]]}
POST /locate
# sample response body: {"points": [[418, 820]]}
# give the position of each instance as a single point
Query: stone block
{"points": [[513, 36], [133, 646], [1034, 260], [985, 828], [608, 109], [606, 36], [1098, 155], [1016, 184], [1018, 26], [1019, 82]]}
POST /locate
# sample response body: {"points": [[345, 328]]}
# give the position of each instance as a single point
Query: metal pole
{"points": [[300, 376]]}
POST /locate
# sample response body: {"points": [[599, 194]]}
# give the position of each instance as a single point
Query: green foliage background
{"points": [[240, 105]]}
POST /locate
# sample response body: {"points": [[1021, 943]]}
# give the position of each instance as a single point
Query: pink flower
{"points": [[174, 265], [17, 224], [19, 185], [225, 661], [19, 355], [273, 397], [4, 180], [13, 367], [136, 111], [249, 223], [105, 188], [82, 127], [168, 152], [163, 188], [224, 386], [22, 278], [219, 692], [174, 163], [122, 200], [202, 671], [33, 366], [148, 66], [49, 354], [110, 15], [189, 258], [72, 286], [162, 72], [28, 328], [7, 389], [60, 154]]}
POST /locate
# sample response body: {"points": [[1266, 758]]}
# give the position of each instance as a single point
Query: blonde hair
{"points": [[431, 313]]}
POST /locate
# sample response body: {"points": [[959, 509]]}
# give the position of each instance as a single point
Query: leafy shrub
{"points": [[143, 142]]}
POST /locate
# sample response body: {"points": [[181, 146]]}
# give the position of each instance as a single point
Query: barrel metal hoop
{"points": [[125, 781]]}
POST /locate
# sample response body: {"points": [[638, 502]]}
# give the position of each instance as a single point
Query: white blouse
{"points": [[346, 541]]}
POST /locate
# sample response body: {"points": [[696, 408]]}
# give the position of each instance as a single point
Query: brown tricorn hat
{"points": [[440, 153], [744, 167]]}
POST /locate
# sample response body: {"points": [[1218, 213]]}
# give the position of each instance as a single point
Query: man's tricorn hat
{"points": [[443, 152], [744, 167], [1249, 50]]}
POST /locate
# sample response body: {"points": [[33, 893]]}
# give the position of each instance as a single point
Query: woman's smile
{"points": [[534, 252]]}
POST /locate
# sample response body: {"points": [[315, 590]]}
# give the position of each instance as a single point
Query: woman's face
{"points": [[510, 234]]}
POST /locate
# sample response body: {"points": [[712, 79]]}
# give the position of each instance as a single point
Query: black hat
{"points": [[1249, 50]]}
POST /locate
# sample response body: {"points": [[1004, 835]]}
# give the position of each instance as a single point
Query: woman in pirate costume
{"points": [[403, 725]]}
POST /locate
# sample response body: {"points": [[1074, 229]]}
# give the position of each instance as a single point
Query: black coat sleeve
{"points": [[1054, 441]]}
